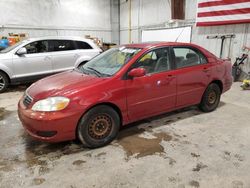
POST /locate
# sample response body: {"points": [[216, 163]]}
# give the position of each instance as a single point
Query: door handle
{"points": [[47, 58], [170, 77], [205, 70]]}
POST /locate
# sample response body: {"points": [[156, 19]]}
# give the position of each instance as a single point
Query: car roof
{"points": [[155, 44], [152, 44], [58, 38]]}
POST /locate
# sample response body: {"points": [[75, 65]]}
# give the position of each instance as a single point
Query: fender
{"points": [[7, 70], [81, 59]]}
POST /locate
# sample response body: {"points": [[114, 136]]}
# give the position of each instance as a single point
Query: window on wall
{"points": [[61, 45], [185, 57], [154, 61], [178, 9], [37, 47]]}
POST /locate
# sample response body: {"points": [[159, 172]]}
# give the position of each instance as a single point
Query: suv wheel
{"points": [[4, 82]]}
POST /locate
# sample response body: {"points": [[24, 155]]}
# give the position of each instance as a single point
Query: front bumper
{"points": [[49, 126]]}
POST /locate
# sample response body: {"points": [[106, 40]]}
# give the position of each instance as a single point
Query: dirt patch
{"points": [[3, 113], [38, 181], [6, 168], [237, 184], [137, 146], [16, 88], [100, 154], [195, 155], [194, 184], [78, 162], [199, 166]]}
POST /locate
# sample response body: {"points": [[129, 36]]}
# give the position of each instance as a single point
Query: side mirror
{"points": [[137, 72], [21, 51]]}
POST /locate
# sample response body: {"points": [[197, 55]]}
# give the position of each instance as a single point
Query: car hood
{"points": [[3, 56], [62, 84]]}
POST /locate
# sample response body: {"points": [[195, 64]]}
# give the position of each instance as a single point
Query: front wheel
{"points": [[4, 82], [211, 98], [98, 127]]}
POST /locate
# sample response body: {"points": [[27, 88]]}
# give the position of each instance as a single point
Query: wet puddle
{"points": [[135, 145], [3, 113]]}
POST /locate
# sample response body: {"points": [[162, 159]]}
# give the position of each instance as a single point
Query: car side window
{"points": [[82, 45], [61, 45], [186, 57], [37, 47], [154, 61]]}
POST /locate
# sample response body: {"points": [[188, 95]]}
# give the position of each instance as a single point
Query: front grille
{"points": [[27, 100]]}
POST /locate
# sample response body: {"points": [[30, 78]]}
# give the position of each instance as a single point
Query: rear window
{"points": [[82, 45], [61, 45]]}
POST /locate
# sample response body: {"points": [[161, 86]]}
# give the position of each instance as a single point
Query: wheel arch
{"points": [[4, 72], [81, 60], [219, 83], [112, 105]]}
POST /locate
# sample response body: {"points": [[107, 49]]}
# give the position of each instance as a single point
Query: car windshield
{"points": [[109, 62], [11, 47]]}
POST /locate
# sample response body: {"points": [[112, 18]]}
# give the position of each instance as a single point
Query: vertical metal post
{"points": [[129, 22]]}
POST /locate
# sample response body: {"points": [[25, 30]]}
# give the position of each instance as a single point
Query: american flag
{"points": [[222, 12]]}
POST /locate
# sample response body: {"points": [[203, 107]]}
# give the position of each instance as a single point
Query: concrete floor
{"points": [[186, 148]]}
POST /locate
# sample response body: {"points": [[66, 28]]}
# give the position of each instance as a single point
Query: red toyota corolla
{"points": [[120, 86]]}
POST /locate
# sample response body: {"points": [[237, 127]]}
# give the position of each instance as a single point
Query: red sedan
{"points": [[120, 86]]}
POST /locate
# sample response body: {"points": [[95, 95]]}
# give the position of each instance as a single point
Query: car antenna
{"points": [[179, 34]]}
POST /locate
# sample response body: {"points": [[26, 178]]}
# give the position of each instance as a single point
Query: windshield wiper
{"points": [[82, 70], [99, 74]]}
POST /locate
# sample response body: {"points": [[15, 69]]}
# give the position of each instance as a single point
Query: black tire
{"points": [[211, 98], [98, 127], [4, 82]]}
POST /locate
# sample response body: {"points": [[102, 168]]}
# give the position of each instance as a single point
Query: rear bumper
{"points": [[49, 126], [227, 84]]}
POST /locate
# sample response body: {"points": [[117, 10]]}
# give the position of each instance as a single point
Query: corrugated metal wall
{"points": [[57, 17], [156, 14], [242, 38], [145, 14]]}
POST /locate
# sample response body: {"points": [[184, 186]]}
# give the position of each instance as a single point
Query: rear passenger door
{"points": [[64, 54], [192, 72]]}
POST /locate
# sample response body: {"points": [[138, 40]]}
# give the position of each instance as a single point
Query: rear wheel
{"points": [[98, 127], [211, 98], [4, 82]]}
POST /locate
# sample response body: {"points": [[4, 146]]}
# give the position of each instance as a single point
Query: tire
{"points": [[211, 98], [98, 127], [4, 82]]}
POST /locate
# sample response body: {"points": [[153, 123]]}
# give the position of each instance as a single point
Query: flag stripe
{"points": [[222, 22], [225, 7], [224, 18], [224, 12], [216, 3]]}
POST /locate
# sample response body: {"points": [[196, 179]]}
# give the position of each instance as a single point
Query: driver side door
{"points": [[154, 93]]}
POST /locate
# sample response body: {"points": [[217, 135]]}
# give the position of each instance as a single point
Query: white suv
{"points": [[35, 58]]}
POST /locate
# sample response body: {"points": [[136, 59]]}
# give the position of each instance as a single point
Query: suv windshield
{"points": [[109, 62], [11, 47]]}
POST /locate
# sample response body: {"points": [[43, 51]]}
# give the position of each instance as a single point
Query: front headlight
{"points": [[51, 104]]}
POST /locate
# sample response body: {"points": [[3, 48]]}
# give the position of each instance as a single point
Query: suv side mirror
{"points": [[137, 72], [21, 51]]}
